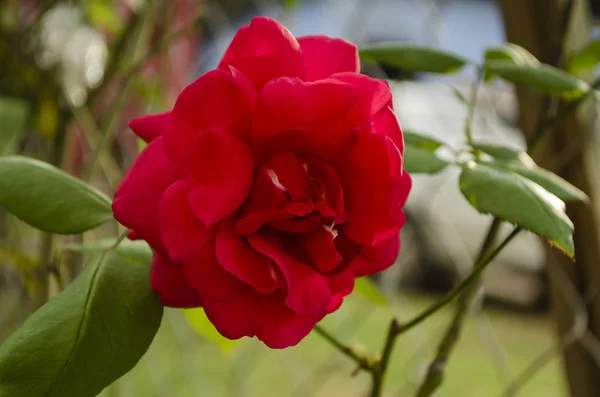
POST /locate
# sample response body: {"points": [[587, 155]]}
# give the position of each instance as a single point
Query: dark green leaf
{"points": [[542, 78], [137, 251], [368, 290], [586, 59], [13, 116], [48, 198], [412, 58], [417, 160], [421, 141], [516, 199], [202, 325], [91, 334]]}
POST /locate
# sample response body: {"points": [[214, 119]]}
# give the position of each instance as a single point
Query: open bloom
{"points": [[271, 185]]}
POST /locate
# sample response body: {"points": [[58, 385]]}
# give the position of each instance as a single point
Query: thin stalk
{"points": [[396, 330], [362, 361]]}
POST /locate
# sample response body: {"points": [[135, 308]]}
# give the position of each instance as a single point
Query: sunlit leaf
{"points": [[49, 199], [365, 287], [412, 58], [542, 78], [586, 59], [518, 200], [202, 325], [87, 337]]}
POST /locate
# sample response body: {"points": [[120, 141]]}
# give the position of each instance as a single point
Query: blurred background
{"points": [[73, 73]]}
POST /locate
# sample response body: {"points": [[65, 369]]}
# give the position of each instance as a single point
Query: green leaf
{"points": [[13, 113], [417, 160], [136, 251], [546, 179], [498, 151], [511, 52], [50, 199], [202, 325], [585, 59], [421, 141], [85, 338], [368, 290], [520, 162], [516, 199], [412, 58], [543, 78]]}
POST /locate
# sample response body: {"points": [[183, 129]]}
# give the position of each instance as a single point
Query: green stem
{"points": [[378, 373], [472, 104], [395, 331], [362, 361]]}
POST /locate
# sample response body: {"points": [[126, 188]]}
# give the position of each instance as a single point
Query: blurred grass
{"points": [[182, 364]]}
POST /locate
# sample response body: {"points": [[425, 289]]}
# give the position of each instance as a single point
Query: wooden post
{"points": [[539, 26]]}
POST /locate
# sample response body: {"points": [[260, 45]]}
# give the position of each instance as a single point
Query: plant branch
{"points": [[435, 373], [397, 329], [363, 362], [472, 104]]}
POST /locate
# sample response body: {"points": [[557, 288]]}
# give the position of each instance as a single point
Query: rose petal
{"points": [[150, 126], [278, 326], [375, 259], [292, 114], [265, 316], [182, 233], [375, 95], [172, 287], [375, 212], [237, 257], [208, 276], [324, 56], [136, 199], [320, 247], [287, 171], [304, 225], [221, 170], [265, 194], [307, 290], [328, 181], [264, 50], [386, 123], [233, 319], [217, 99], [254, 220]]}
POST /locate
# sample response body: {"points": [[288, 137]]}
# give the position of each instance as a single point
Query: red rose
{"points": [[274, 182]]}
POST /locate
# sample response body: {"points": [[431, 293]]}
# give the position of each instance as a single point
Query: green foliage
{"points": [[50, 199], [202, 325], [511, 52], [586, 59], [13, 113], [516, 199], [520, 162], [421, 141], [412, 58], [136, 251], [542, 78], [365, 287], [417, 160], [87, 337]]}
